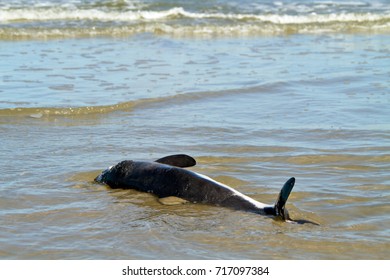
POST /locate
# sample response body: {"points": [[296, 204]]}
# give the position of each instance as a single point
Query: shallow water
{"points": [[252, 110]]}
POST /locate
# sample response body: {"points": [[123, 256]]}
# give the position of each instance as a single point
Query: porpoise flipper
{"points": [[282, 199], [180, 160], [172, 200]]}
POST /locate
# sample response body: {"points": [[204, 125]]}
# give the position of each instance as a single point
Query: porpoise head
{"points": [[102, 177], [115, 175]]}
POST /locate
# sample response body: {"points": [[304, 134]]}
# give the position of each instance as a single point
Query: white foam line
{"points": [[38, 14]]}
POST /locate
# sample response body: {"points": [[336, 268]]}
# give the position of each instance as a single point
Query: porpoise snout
{"points": [[101, 177]]}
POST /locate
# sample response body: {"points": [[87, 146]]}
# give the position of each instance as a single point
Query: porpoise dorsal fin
{"points": [[180, 160], [282, 198]]}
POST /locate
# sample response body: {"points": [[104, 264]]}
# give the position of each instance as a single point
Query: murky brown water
{"points": [[252, 111]]}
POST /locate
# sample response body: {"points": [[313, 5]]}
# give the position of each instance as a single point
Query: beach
{"points": [[256, 94]]}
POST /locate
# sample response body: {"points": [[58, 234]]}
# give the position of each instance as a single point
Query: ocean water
{"points": [[256, 92], [120, 18]]}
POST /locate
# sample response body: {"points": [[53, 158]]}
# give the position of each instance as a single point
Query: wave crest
{"points": [[57, 14], [38, 22]]}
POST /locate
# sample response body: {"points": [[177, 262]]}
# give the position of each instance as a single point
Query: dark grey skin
{"points": [[166, 177]]}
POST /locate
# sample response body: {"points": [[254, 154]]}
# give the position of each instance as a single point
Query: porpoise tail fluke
{"points": [[280, 209]]}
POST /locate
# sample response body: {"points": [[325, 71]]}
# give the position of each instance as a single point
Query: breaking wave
{"points": [[37, 22]]}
